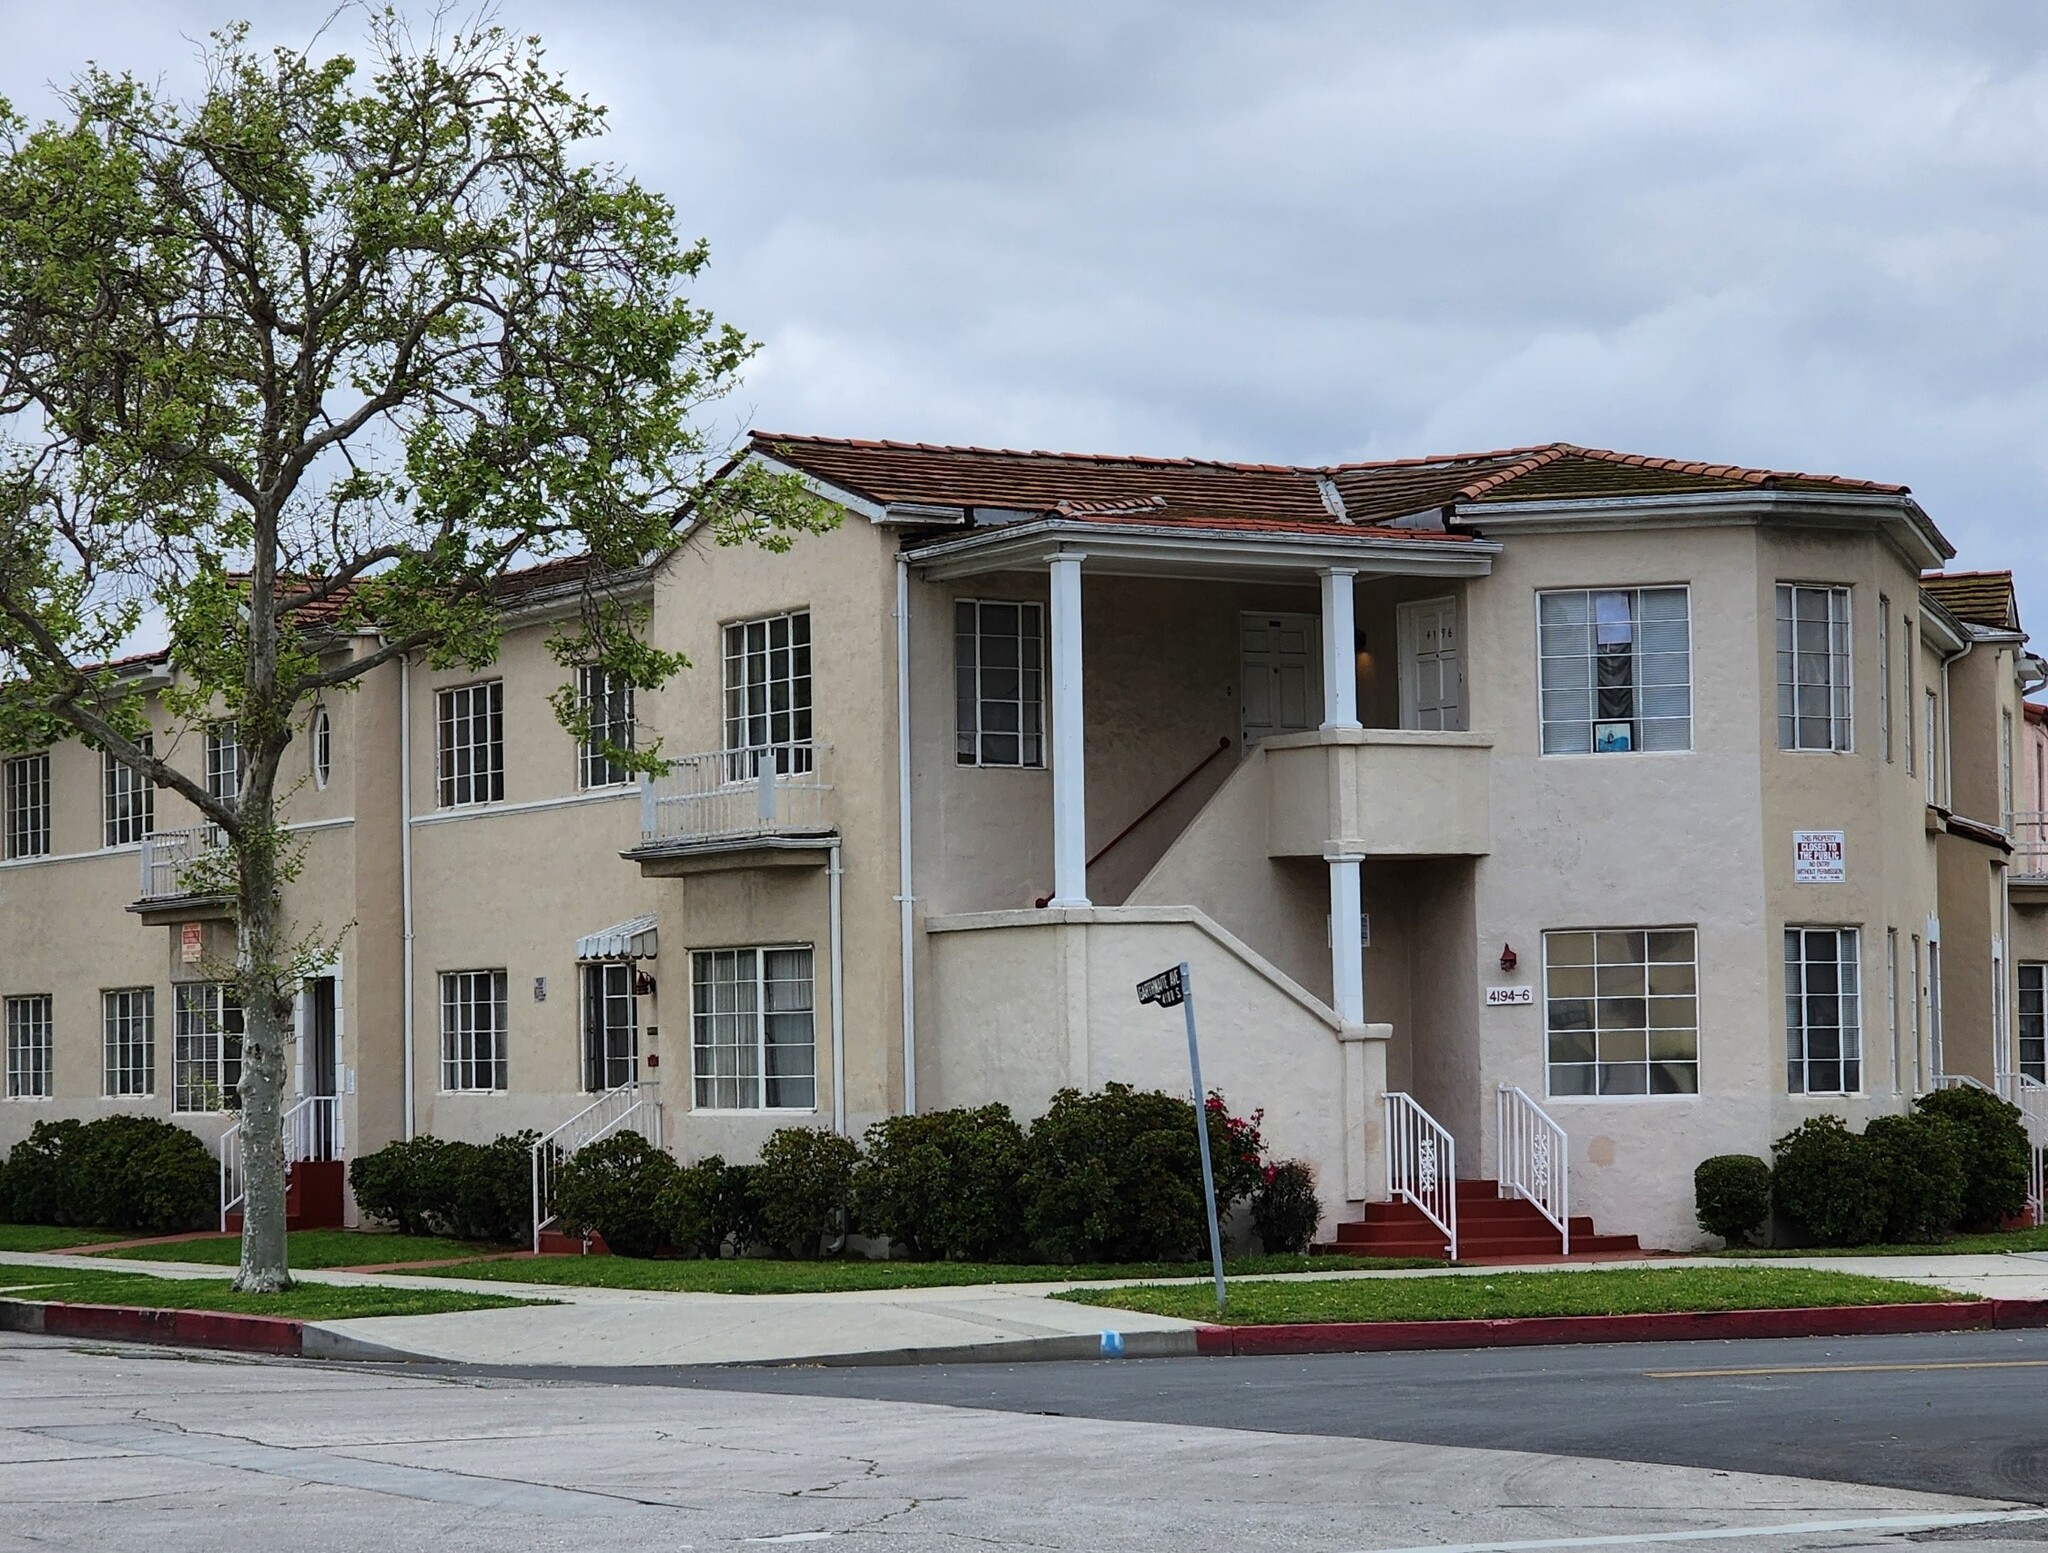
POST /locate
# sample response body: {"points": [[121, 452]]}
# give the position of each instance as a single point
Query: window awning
{"points": [[632, 940]]}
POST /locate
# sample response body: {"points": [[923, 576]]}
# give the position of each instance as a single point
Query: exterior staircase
{"points": [[1491, 1228], [312, 1196]]}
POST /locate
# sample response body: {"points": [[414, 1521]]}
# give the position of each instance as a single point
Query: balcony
{"points": [[2029, 832], [726, 809], [1380, 792], [187, 875]]}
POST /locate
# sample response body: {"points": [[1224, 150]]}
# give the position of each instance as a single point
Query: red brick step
{"points": [[1490, 1228]]}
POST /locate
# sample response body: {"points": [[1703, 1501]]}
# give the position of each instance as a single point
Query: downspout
{"points": [[905, 900], [1948, 743], [405, 869], [833, 874]]}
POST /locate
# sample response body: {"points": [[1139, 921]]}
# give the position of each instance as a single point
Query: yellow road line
{"points": [[1852, 1369]]}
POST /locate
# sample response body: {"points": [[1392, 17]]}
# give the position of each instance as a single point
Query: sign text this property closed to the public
{"points": [[1817, 857]]}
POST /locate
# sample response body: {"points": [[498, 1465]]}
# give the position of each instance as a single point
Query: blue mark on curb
{"points": [[1112, 1345]]}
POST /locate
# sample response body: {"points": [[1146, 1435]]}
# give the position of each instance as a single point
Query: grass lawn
{"points": [[759, 1275], [306, 1301], [313, 1248], [1960, 1245], [1490, 1296], [51, 1237]]}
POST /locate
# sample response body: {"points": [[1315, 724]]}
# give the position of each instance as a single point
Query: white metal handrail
{"points": [[781, 790], [171, 857], [2031, 1096], [2028, 829], [312, 1131], [1535, 1159], [614, 1110], [1422, 1165]]}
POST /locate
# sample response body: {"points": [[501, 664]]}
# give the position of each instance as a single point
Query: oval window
{"points": [[323, 746]]}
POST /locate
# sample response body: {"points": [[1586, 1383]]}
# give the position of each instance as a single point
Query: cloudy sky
{"points": [[1809, 236]]}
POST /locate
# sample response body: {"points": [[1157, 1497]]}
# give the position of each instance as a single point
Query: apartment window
{"points": [[999, 683], [127, 801], [1622, 1011], [2033, 977], [223, 760], [129, 1019], [1937, 1059], [611, 1027], [1884, 674], [322, 740], [1919, 994], [1813, 668], [28, 1048], [26, 779], [1891, 1000], [473, 1025], [606, 702], [471, 724], [2005, 765], [1616, 670], [1933, 747], [206, 1048], [1823, 1011], [768, 694], [753, 1029], [1907, 706]]}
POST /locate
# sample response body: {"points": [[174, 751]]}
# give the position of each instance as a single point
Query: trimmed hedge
{"points": [[1731, 1195], [1286, 1209], [1829, 1182], [1919, 1162], [615, 1186], [804, 1188], [709, 1206], [434, 1186], [121, 1172], [944, 1183], [1994, 1145]]}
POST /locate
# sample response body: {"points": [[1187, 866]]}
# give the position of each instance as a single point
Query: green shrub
{"points": [[1116, 1176], [484, 1191], [1919, 1161], [614, 1186], [402, 1183], [1994, 1152], [708, 1206], [34, 1179], [141, 1174], [1285, 1209], [1731, 1196], [944, 1183], [804, 1185], [1827, 1181]]}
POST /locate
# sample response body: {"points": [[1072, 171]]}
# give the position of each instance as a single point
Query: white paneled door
{"points": [[1432, 665], [1283, 683]]}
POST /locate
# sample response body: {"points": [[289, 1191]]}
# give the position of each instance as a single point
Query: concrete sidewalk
{"points": [[592, 1327]]}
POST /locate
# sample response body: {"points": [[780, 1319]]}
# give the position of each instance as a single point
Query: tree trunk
{"points": [[265, 1027]]}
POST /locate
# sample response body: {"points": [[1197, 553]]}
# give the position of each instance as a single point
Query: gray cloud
{"points": [[1801, 235]]}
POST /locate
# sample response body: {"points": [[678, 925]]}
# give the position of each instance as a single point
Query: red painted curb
{"points": [[1660, 1327], [130, 1324]]}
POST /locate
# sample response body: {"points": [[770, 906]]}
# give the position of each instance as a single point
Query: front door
{"points": [[611, 1033], [1283, 688], [1432, 665], [323, 1063]]}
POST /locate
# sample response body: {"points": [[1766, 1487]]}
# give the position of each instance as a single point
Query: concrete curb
{"points": [[1662, 1327], [1174, 1344], [275, 1335]]}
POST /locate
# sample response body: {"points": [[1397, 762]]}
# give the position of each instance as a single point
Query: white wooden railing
{"points": [[169, 858], [782, 791], [312, 1130], [2028, 829], [1422, 1165], [628, 1106], [1535, 1159]]}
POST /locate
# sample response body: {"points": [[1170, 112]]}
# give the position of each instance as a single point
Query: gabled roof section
{"points": [[1564, 472], [1976, 598]]}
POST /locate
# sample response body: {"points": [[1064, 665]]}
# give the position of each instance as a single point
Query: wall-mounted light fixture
{"points": [[1508, 958]]}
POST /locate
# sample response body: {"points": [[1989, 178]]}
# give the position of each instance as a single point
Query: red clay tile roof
{"points": [[1980, 598], [1093, 484]]}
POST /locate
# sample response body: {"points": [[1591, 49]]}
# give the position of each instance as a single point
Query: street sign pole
{"points": [[1166, 989]]}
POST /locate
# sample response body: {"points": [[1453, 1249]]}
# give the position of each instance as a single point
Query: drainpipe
{"points": [[405, 867], [833, 874], [905, 900], [1948, 743]]}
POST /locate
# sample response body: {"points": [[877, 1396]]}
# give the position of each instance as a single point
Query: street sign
{"points": [[1169, 989]]}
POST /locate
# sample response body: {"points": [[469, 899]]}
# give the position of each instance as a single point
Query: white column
{"points": [[1069, 774], [1347, 954], [1340, 669]]}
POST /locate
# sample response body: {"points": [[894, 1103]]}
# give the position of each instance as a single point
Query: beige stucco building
{"points": [[1539, 816]]}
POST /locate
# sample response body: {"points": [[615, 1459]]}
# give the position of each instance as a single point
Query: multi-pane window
{"points": [[2005, 765], [1884, 674], [606, 701], [1616, 670], [753, 1033], [1813, 668], [768, 694], [206, 1048], [999, 683], [322, 740], [611, 1027], [2034, 1021], [28, 1048], [127, 801], [1906, 705], [1823, 1011], [26, 783], [1933, 747], [1622, 1011], [473, 1024], [471, 724], [128, 1017], [223, 760]]}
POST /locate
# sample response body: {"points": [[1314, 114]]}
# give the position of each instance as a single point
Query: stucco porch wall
{"points": [[1028, 1003]]}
